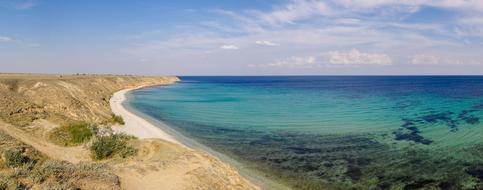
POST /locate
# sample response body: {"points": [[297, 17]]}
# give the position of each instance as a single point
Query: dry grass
{"points": [[110, 146], [63, 174], [26, 98], [115, 119], [72, 134], [22, 167]]}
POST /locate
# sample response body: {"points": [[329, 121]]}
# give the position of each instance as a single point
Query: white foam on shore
{"points": [[135, 125]]}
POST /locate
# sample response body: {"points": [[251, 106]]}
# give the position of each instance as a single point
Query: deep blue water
{"points": [[363, 132]]}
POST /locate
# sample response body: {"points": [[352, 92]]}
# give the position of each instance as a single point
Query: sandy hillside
{"points": [[25, 98], [34, 105]]}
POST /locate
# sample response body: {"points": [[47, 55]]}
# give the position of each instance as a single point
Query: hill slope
{"points": [[33, 105]]}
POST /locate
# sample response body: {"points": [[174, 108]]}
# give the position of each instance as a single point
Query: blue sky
{"points": [[250, 37]]}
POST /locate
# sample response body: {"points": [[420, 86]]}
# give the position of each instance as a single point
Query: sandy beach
{"points": [[140, 127], [135, 125]]}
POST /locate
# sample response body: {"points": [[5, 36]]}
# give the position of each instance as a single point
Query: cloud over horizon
{"points": [[355, 57], [252, 37], [265, 43], [229, 47], [5, 39]]}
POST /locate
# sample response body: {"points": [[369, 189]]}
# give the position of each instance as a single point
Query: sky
{"points": [[249, 37]]}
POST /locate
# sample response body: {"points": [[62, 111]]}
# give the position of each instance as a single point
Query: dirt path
{"points": [[70, 154]]}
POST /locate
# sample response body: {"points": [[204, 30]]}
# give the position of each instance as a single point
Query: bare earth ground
{"points": [[32, 105]]}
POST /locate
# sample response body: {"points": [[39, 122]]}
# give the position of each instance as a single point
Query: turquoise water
{"points": [[334, 132]]}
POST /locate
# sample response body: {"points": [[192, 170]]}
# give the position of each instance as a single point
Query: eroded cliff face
{"points": [[25, 98]]}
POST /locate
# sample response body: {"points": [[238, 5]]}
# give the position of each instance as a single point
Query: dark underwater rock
{"points": [[435, 117], [476, 172]]}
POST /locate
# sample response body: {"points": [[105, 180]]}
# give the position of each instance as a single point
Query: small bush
{"points": [[117, 119], [59, 170], [72, 134], [15, 158], [108, 146]]}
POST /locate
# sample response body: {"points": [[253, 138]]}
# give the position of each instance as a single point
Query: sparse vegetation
{"points": [[113, 145], [15, 158], [114, 119], [11, 83], [8, 182], [26, 99], [22, 167], [72, 134], [117, 119], [64, 175]]}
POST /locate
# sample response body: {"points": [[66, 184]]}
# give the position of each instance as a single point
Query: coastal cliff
{"points": [[25, 98], [33, 106]]}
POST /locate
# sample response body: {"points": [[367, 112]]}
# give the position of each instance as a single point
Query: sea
{"points": [[333, 132]]}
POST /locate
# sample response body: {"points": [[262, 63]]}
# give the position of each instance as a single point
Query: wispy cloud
{"points": [[295, 10], [293, 61], [431, 59], [423, 59], [355, 57], [5, 39], [333, 34], [265, 43], [455, 4], [19, 4], [229, 47]]}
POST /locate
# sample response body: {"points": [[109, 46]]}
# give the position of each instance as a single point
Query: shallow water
{"points": [[334, 132]]}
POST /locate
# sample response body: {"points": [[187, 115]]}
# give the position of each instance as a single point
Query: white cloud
{"points": [[472, 20], [422, 59], [450, 4], [4, 39], [470, 26], [229, 47], [355, 57], [347, 21], [265, 43], [364, 3], [431, 59], [312, 30], [295, 10], [294, 61]]}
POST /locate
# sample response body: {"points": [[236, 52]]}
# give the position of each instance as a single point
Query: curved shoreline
{"points": [[144, 126], [135, 125]]}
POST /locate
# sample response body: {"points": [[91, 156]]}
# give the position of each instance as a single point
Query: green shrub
{"points": [[15, 158], [109, 146], [80, 133], [117, 119], [72, 134]]}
